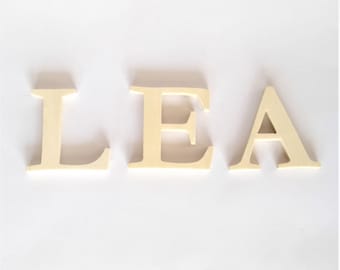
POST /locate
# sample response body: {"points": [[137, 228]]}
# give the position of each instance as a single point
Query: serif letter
{"points": [[284, 133], [153, 127], [51, 135]]}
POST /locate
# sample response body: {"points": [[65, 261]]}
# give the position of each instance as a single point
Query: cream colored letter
{"points": [[153, 126], [285, 133], [51, 136]]}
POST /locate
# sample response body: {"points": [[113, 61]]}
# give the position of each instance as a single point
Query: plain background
{"points": [[160, 219]]}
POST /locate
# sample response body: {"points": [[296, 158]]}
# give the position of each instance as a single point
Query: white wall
{"points": [[123, 219]]}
